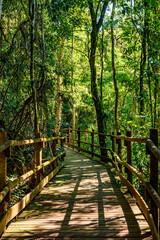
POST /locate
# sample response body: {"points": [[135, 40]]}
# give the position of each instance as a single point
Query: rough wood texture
{"points": [[129, 157], [84, 201], [153, 149], [38, 159]]}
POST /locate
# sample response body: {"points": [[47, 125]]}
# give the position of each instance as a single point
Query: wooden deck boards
{"points": [[84, 201]]}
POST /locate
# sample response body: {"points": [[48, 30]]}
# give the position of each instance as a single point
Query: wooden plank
{"points": [[89, 152], [84, 201]]}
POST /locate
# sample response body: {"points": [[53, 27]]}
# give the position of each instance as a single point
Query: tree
{"points": [[32, 4], [97, 22], [113, 66]]}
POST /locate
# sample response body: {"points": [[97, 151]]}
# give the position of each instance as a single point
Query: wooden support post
{"points": [[129, 157], [54, 143], [62, 146], [154, 176], [38, 158], [79, 139], [119, 142], [113, 142], [92, 146], [3, 171]]}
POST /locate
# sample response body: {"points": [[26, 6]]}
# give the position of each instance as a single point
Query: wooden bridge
{"points": [[86, 199]]}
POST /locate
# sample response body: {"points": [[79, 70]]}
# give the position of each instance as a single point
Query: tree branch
{"points": [[92, 12], [105, 4], [98, 8]]}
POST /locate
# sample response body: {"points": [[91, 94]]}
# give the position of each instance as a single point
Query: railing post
{"points": [[92, 146], [119, 142], [79, 139], [62, 145], [38, 158], [3, 171], [129, 157], [69, 131], [54, 143], [154, 176]]}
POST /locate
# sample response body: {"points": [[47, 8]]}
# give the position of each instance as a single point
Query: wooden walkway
{"points": [[84, 201]]}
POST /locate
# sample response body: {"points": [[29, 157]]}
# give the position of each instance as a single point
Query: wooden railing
{"points": [[150, 211], [35, 175]]}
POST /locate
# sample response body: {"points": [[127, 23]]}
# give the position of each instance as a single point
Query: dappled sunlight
{"points": [[82, 201]]}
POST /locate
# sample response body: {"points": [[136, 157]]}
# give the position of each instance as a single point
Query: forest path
{"points": [[84, 201]]}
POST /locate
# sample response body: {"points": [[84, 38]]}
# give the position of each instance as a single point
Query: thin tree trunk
{"points": [[44, 69], [59, 105], [34, 90], [142, 64], [96, 25], [102, 64], [155, 67], [59, 80], [114, 68], [149, 82], [72, 90]]}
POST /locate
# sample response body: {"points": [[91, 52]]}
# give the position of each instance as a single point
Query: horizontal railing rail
{"points": [[10, 143], [151, 212], [35, 176]]}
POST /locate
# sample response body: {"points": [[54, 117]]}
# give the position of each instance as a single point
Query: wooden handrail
{"points": [[18, 207], [146, 184], [10, 143], [151, 187], [131, 139], [4, 146], [153, 149], [37, 182], [141, 203], [25, 176]]}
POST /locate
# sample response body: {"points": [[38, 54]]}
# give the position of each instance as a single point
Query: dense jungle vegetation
{"points": [[72, 63]]}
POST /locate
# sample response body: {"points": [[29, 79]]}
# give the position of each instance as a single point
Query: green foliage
{"points": [[63, 19]]}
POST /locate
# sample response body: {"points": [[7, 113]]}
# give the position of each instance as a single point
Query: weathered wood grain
{"points": [[84, 201]]}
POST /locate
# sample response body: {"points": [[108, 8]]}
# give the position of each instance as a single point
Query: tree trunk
{"points": [[92, 60], [142, 64], [114, 68], [72, 90], [59, 82], [102, 64], [59, 104], [33, 85]]}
